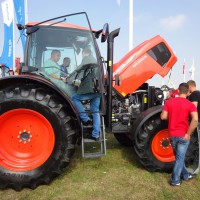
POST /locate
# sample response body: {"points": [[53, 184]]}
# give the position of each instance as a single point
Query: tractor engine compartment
{"points": [[126, 109]]}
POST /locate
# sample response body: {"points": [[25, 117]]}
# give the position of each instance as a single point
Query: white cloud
{"points": [[173, 22]]}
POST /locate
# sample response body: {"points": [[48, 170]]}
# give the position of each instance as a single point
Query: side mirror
{"points": [[117, 80], [105, 32], [20, 27], [30, 30]]}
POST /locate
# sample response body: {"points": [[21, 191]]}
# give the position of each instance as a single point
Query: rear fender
{"points": [[143, 117]]}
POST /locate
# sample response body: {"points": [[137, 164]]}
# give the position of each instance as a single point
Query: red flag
{"points": [[184, 68]]}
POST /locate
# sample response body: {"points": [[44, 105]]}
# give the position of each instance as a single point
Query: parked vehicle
{"points": [[39, 125]]}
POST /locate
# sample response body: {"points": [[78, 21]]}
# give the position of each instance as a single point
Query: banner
{"points": [[20, 15], [8, 49]]}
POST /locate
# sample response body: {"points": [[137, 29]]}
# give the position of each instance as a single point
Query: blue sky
{"points": [[177, 21]]}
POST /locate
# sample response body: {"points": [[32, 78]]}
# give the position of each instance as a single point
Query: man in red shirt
{"points": [[177, 112]]}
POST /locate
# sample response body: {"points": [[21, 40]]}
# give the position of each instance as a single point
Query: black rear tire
{"points": [[61, 118], [192, 155]]}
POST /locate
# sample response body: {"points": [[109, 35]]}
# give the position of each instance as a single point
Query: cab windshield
{"points": [[56, 46]]}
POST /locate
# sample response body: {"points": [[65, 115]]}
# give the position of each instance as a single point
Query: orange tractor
{"points": [[40, 126]]}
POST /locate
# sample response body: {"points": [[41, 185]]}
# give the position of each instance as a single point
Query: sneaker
{"points": [[88, 122], [93, 138], [175, 184], [190, 176]]}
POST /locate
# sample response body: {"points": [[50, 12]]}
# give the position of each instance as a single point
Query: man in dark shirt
{"points": [[85, 92], [194, 96]]}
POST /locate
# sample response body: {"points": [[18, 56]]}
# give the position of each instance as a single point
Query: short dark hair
{"points": [[66, 58], [183, 88], [55, 51], [191, 83]]}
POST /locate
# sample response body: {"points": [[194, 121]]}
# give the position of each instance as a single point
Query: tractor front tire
{"points": [[37, 136], [153, 148]]}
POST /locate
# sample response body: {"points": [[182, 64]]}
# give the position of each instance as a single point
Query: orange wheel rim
{"points": [[162, 148], [26, 139]]}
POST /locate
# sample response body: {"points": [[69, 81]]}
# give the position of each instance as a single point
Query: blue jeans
{"points": [[180, 146], [94, 108]]}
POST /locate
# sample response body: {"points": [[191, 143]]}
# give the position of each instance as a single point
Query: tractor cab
{"points": [[68, 36]]}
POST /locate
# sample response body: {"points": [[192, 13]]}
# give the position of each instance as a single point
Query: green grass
{"points": [[113, 177]]}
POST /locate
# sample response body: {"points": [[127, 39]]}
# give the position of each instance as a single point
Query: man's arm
{"points": [[164, 115], [192, 126], [195, 103]]}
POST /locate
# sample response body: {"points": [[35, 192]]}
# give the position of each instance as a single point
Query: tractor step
{"points": [[93, 155], [92, 148]]}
